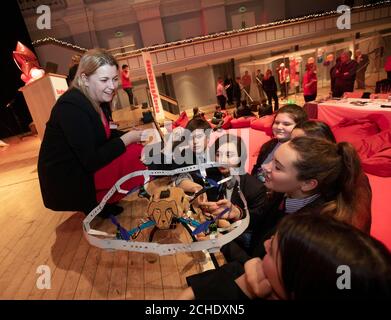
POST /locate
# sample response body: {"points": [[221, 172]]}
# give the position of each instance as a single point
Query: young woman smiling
{"points": [[285, 120]]}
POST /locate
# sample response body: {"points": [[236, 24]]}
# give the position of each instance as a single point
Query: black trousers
{"points": [[284, 87], [272, 95], [311, 97], [221, 100], [129, 91]]}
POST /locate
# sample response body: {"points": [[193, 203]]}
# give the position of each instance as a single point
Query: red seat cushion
{"points": [[242, 122], [375, 154], [379, 164], [375, 144], [354, 130], [264, 124], [181, 121], [227, 122]]}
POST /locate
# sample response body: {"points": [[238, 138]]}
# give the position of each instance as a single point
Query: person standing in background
{"points": [[270, 87], [228, 85], [332, 76], [259, 79], [362, 64], [310, 81], [221, 94], [237, 91], [284, 79], [126, 83], [345, 75], [246, 82]]}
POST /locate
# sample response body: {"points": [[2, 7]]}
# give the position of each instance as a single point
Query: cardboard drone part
{"points": [[108, 241], [165, 204]]}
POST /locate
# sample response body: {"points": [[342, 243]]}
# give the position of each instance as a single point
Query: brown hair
{"points": [[268, 74], [316, 129], [312, 248], [337, 169], [89, 63], [296, 113]]}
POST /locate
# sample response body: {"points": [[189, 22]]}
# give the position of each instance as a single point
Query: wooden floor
{"points": [[32, 235]]}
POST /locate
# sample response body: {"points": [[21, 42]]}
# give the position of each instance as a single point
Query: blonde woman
{"points": [[80, 156]]}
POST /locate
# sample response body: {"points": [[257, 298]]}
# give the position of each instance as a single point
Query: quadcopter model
{"points": [[168, 207]]}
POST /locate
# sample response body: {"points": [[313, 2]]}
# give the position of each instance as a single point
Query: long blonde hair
{"points": [[89, 63]]}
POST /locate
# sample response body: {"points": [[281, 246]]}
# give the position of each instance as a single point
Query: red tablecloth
{"points": [[332, 112]]}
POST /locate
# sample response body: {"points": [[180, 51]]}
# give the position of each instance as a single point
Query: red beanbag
{"points": [[264, 124], [181, 121], [375, 154], [378, 164], [354, 130], [227, 122], [242, 122], [374, 144]]}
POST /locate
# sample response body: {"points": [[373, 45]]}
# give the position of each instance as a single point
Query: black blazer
{"points": [[269, 85], [74, 146], [271, 216], [266, 148]]}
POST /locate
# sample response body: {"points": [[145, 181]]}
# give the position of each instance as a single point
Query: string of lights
{"points": [[219, 34]]}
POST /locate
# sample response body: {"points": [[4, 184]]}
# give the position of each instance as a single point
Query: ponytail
{"points": [[347, 181], [337, 169]]}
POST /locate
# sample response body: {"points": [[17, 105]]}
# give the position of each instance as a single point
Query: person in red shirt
{"points": [[246, 82], [310, 83], [126, 83]]}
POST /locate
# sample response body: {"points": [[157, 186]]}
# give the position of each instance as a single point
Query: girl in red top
{"points": [[310, 83]]}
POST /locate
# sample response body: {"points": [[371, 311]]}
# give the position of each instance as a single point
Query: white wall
{"points": [[56, 54], [182, 26], [195, 88], [215, 19]]}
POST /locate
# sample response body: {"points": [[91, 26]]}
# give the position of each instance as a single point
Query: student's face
{"points": [[198, 141], [227, 154], [271, 267], [281, 175], [102, 84], [283, 126]]}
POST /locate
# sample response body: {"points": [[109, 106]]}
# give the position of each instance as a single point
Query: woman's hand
{"points": [[257, 283], [215, 208], [132, 136]]}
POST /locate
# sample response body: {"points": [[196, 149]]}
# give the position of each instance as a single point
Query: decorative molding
{"points": [[236, 39]]}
